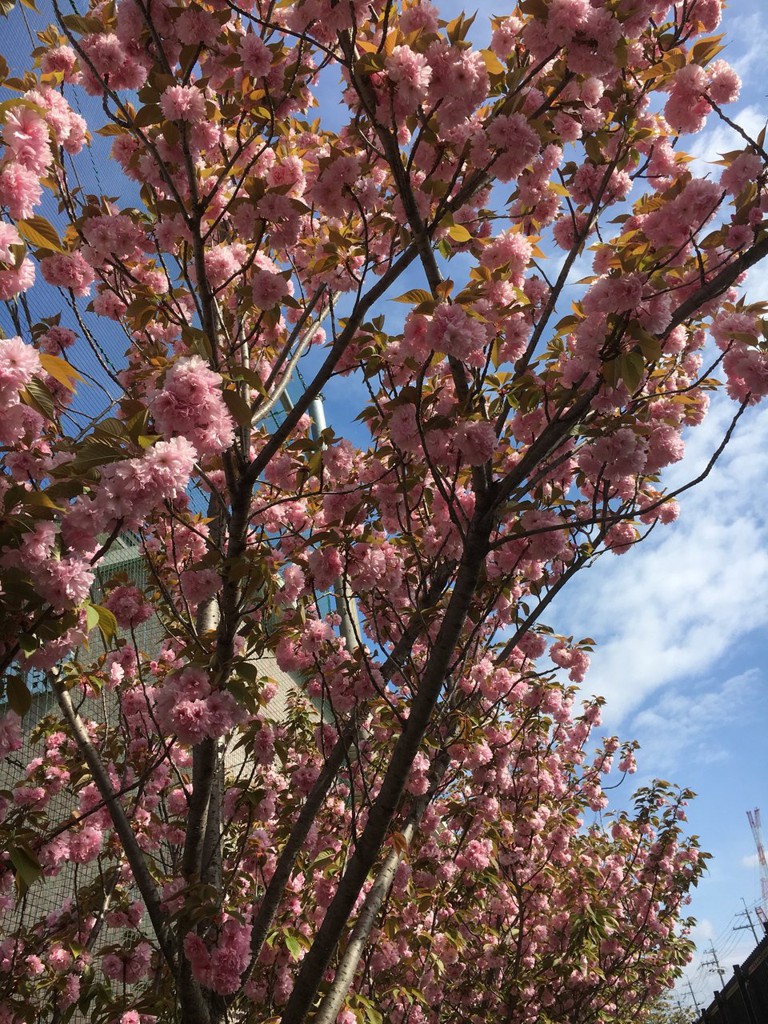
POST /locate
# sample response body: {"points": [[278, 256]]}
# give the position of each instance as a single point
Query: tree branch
{"points": [[122, 826], [382, 811]]}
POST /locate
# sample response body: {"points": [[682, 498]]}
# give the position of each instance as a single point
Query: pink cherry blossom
{"points": [[269, 289], [355, 623], [615, 294], [65, 582], [410, 73], [168, 466], [26, 135], [20, 190], [128, 605], [476, 441], [19, 363], [256, 55], [724, 83], [455, 333], [620, 538], [85, 844], [10, 733], [190, 404], [68, 270], [745, 168], [183, 103]]}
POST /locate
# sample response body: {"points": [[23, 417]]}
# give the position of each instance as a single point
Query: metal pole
{"points": [[750, 924]]}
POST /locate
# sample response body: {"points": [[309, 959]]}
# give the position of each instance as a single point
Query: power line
{"points": [[740, 927], [713, 964], [693, 996]]}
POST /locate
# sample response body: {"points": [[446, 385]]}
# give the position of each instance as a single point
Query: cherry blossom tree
{"points": [[665, 1011], [422, 834]]}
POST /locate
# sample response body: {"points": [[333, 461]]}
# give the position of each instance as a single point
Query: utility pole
{"points": [[681, 1007], [693, 996], [713, 965], [740, 927]]}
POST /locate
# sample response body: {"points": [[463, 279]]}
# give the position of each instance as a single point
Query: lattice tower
{"points": [[755, 825]]}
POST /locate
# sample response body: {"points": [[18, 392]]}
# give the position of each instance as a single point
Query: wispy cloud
{"points": [[708, 147], [686, 724], [669, 609], [745, 44], [703, 930]]}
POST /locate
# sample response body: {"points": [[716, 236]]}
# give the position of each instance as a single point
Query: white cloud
{"points": [[685, 726], [703, 930], [745, 44], [668, 609], [751, 861], [721, 138], [756, 287], [582, 267]]}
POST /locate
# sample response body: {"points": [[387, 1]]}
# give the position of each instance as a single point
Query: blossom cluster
{"points": [[398, 580]]}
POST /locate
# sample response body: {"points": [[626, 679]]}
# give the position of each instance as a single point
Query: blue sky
{"points": [[681, 622]]}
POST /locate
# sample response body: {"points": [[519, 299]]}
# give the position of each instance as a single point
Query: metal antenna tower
{"points": [[754, 823]]}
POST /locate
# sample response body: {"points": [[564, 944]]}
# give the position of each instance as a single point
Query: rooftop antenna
{"points": [[755, 825]]}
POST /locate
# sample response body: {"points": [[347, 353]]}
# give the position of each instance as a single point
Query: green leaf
{"points": [[293, 945], [458, 28], [141, 311], [370, 63], [631, 369], [149, 115], [415, 295], [40, 232], [651, 348], [107, 624], [238, 407], [93, 453], [37, 395], [706, 50], [60, 370], [649, 344], [19, 495], [27, 866], [91, 617], [63, 490], [98, 615], [110, 129], [171, 133], [459, 233], [492, 63], [19, 697], [136, 423], [611, 373], [251, 378], [111, 427]]}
